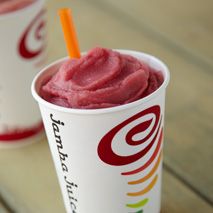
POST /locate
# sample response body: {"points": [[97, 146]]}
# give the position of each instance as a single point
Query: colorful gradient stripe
{"points": [[148, 176], [148, 188], [139, 204], [145, 190], [156, 152]]}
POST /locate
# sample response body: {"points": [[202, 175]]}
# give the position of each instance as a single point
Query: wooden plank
{"points": [[187, 25], [28, 181], [189, 139], [178, 198]]}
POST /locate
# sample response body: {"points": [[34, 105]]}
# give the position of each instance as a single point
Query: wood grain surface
{"points": [[178, 32]]}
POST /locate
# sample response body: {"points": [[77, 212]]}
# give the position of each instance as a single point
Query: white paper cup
{"points": [[100, 162], [22, 55]]}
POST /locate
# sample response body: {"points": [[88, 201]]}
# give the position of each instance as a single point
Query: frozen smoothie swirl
{"points": [[7, 6], [102, 78]]}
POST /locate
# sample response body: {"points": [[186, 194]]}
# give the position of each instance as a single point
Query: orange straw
{"points": [[69, 33]]}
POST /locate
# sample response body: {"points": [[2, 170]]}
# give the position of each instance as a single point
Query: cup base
{"points": [[23, 142]]}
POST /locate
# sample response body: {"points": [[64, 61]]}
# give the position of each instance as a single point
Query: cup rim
{"points": [[21, 10], [133, 104]]}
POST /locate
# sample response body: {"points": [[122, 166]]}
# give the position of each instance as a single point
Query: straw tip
{"points": [[64, 10]]}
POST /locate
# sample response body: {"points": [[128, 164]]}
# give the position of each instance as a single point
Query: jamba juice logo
{"points": [[34, 33], [153, 131]]}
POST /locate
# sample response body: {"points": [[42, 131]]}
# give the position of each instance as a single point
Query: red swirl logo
{"points": [[105, 150], [34, 33]]}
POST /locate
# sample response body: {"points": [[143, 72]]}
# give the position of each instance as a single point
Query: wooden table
{"points": [[181, 34]]}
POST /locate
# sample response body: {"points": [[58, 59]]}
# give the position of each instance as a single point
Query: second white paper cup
{"points": [[108, 160], [22, 55]]}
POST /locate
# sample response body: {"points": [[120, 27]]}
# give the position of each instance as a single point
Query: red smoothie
{"points": [[102, 78]]}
